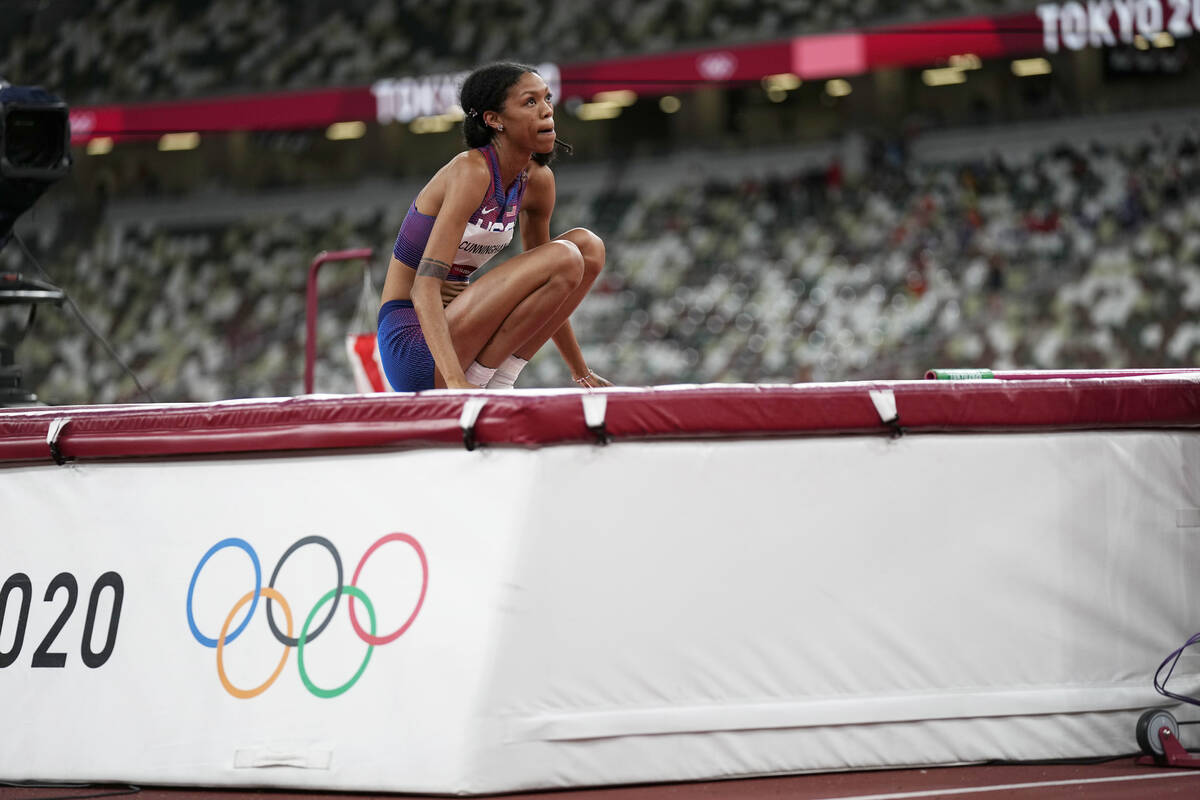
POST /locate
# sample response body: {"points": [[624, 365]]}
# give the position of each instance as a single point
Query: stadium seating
{"points": [[1068, 257], [135, 50], [1077, 258]]}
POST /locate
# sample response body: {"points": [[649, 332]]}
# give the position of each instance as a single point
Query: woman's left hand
{"points": [[592, 381]]}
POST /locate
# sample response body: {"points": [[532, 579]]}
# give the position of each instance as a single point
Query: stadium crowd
{"points": [[103, 51], [1074, 257], [1079, 258]]}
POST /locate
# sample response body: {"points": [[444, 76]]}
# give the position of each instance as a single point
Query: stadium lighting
{"points": [[179, 141], [1025, 67], [1140, 42], [101, 145], [593, 111], [838, 87], [966, 61], [1164, 39], [946, 76], [776, 95], [620, 97], [439, 123], [783, 81], [340, 131], [669, 104]]}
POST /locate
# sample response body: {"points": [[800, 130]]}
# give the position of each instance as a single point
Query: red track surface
{"points": [[1119, 779]]}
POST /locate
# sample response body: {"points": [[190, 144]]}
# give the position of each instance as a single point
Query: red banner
{"points": [[1069, 25], [678, 72], [921, 45], [257, 112]]}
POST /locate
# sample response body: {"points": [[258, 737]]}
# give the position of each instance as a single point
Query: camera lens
{"points": [[34, 138]]}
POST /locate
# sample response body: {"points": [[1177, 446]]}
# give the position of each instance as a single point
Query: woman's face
{"points": [[528, 114]]}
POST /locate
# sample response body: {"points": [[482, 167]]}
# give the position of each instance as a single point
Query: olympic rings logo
{"points": [[306, 635]]}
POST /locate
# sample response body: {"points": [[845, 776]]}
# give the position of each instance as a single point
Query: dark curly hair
{"points": [[486, 89]]}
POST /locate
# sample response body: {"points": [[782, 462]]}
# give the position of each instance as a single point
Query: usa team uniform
{"points": [[405, 356]]}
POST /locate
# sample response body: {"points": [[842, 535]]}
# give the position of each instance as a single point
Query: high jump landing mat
{"points": [[476, 592]]}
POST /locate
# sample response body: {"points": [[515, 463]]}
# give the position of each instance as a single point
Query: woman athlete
{"points": [[437, 330]]}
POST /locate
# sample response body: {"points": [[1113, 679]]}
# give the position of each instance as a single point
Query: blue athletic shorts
{"points": [[406, 359]]}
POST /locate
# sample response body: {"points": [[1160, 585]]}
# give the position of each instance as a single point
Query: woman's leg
{"points": [[591, 247], [510, 303]]}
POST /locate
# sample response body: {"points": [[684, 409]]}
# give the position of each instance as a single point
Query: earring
{"points": [[500, 128]]}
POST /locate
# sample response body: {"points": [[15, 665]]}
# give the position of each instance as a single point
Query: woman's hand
{"points": [[591, 381], [451, 290]]}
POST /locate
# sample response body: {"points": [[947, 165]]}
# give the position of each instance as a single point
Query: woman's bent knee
{"points": [[568, 266], [591, 247]]}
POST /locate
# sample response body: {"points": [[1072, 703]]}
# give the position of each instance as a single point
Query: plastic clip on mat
{"points": [[884, 401], [52, 434], [594, 408], [470, 413]]}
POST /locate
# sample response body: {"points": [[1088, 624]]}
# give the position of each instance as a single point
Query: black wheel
{"points": [[1148, 726]]}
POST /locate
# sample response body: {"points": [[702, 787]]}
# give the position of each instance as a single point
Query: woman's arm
{"points": [[536, 207], [466, 181]]}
